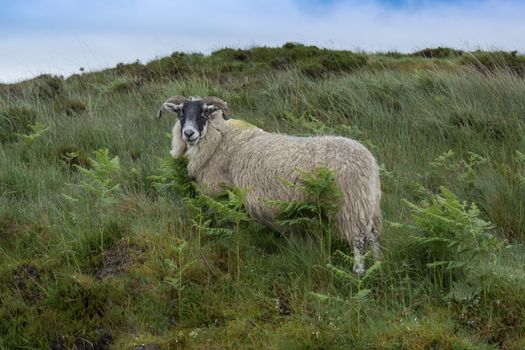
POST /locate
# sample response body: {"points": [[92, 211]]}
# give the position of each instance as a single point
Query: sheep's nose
{"points": [[189, 133]]}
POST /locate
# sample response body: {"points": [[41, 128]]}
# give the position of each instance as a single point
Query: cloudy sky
{"points": [[60, 36]]}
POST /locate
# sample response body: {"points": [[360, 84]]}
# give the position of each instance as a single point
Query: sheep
{"points": [[225, 152]]}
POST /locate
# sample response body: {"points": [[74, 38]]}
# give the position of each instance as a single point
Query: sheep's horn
{"points": [[213, 100], [174, 99]]}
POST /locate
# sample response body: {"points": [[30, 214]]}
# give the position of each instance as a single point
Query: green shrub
{"points": [[450, 236], [135, 69], [11, 91], [315, 215], [490, 61], [173, 180], [342, 61], [100, 180], [48, 86], [438, 52], [126, 84], [281, 62], [36, 132], [313, 69], [292, 45], [502, 197], [15, 120], [69, 106], [229, 54], [73, 156], [173, 66]]}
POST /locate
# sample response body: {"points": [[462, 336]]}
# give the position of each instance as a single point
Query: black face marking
{"points": [[192, 112]]}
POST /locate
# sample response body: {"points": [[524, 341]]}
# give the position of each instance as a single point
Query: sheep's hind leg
{"points": [[359, 254], [373, 241]]}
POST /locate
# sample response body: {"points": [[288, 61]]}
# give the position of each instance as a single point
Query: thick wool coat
{"points": [[235, 153]]}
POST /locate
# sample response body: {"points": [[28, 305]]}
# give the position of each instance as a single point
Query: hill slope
{"points": [[101, 252]]}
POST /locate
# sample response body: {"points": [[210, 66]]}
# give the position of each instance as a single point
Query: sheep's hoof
{"points": [[359, 268]]}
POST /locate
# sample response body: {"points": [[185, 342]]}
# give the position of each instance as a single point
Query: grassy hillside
{"points": [[103, 246]]}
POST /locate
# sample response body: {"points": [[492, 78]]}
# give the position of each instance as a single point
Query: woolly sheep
{"points": [[224, 152]]}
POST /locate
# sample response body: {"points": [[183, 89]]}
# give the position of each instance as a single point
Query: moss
{"points": [[241, 124]]}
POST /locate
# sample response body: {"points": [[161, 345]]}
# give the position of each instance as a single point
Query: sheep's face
{"points": [[194, 117]]}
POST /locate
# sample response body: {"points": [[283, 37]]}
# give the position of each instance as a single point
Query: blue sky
{"points": [[60, 36]]}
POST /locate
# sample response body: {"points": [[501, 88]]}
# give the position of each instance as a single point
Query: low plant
{"points": [[315, 215], [16, 120], [177, 267], [99, 185], [220, 218], [69, 106], [173, 180], [449, 236], [358, 284], [37, 130]]}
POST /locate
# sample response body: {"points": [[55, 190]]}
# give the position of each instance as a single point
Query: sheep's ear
{"points": [[223, 105], [212, 108], [178, 146], [172, 107]]}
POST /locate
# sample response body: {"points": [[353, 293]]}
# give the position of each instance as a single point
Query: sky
{"points": [[61, 36]]}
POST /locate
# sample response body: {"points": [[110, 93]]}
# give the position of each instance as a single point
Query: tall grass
{"points": [[150, 268]]}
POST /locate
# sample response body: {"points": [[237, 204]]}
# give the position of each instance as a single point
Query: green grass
{"points": [[87, 264]]}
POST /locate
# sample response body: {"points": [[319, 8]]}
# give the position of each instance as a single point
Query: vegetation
{"points": [[105, 243]]}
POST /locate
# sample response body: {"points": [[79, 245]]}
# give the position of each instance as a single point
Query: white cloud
{"points": [[145, 29]]}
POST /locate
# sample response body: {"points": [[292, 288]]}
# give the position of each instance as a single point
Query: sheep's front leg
{"points": [[178, 146]]}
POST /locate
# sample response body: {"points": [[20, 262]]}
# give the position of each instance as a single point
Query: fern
{"points": [[98, 184], [230, 209], [358, 284], [315, 215], [462, 291], [37, 130], [173, 180], [100, 180], [176, 268], [448, 170], [451, 236], [307, 122]]}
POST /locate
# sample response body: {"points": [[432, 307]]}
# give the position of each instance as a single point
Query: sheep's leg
{"points": [[178, 146], [355, 235], [373, 241], [359, 254]]}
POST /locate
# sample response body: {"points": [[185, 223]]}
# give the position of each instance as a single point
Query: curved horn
{"points": [[174, 99], [213, 100]]}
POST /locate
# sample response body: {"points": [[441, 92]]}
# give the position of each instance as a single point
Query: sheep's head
{"points": [[195, 114]]}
